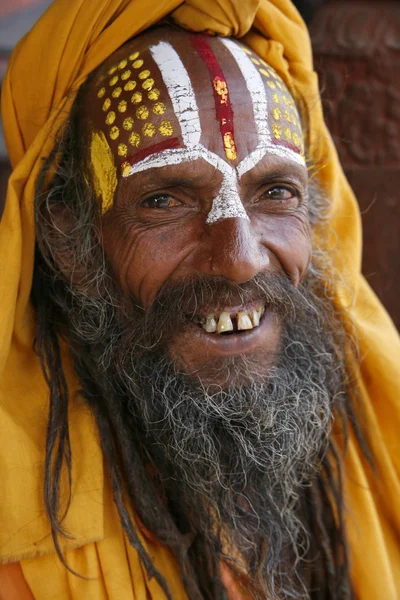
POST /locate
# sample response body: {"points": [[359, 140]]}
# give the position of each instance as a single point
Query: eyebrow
{"points": [[153, 177], [288, 170]]}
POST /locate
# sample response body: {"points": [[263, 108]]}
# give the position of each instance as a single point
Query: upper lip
{"points": [[232, 309]]}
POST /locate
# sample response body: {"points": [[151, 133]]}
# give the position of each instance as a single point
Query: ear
{"points": [[71, 243]]}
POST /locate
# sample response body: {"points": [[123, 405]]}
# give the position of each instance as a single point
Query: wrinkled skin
{"points": [[156, 231]]}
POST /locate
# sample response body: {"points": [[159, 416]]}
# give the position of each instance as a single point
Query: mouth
{"points": [[227, 331], [230, 320]]}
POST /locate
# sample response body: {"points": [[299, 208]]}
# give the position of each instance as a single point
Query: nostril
{"points": [[236, 251]]}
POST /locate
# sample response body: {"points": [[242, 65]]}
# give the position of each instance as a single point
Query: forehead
{"points": [[169, 89]]}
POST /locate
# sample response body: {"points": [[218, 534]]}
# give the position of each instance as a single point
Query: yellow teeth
{"points": [[256, 315], [224, 323], [210, 325], [243, 321]]}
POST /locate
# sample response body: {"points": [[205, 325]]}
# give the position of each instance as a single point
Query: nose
{"points": [[236, 251]]}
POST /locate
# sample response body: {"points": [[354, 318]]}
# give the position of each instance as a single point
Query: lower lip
{"points": [[238, 343]]}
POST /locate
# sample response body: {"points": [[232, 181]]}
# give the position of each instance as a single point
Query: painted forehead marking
{"points": [[223, 105], [227, 204], [256, 88], [180, 91]]}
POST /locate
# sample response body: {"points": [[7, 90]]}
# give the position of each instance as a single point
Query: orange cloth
{"points": [[47, 67]]}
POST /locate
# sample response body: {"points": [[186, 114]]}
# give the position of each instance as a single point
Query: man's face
{"points": [[211, 358], [210, 183]]}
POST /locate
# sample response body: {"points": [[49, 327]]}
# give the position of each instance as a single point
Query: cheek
{"points": [[145, 257], [289, 239]]}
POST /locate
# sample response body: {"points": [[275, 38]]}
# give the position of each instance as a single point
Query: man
{"points": [[177, 299]]}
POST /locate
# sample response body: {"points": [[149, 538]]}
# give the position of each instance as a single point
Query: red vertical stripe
{"points": [[223, 106]]}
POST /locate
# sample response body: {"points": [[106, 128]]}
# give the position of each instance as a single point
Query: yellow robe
{"points": [[47, 67]]}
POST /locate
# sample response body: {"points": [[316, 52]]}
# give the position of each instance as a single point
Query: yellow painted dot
{"points": [[142, 112], [148, 129], [296, 139], [122, 106], [144, 74], [166, 128], [288, 134], [263, 62], [286, 101], [112, 70], [276, 98], [287, 115], [129, 86], [114, 132], [148, 84], [277, 114], [246, 50], [128, 123], [122, 149], [134, 139], [277, 131], [113, 80], [153, 94], [137, 64], [159, 108], [264, 72], [136, 97], [133, 56], [116, 92], [125, 75], [122, 64], [110, 118], [106, 104], [271, 85], [125, 168], [101, 92], [255, 61]]}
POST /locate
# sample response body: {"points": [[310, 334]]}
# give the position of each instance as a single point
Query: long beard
{"points": [[231, 462]]}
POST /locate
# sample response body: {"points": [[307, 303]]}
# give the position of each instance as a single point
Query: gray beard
{"points": [[233, 463]]}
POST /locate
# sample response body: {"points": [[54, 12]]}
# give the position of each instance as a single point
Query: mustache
{"points": [[177, 302]]}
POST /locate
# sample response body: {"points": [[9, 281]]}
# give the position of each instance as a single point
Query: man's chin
{"points": [[226, 359]]}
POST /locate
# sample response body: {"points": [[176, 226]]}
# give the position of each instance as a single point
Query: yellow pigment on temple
{"points": [[103, 168]]}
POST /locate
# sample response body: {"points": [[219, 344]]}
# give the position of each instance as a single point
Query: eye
{"points": [[161, 201], [281, 197]]}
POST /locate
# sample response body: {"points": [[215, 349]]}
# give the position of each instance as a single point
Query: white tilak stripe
{"points": [[180, 90], [227, 204], [256, 88]]}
